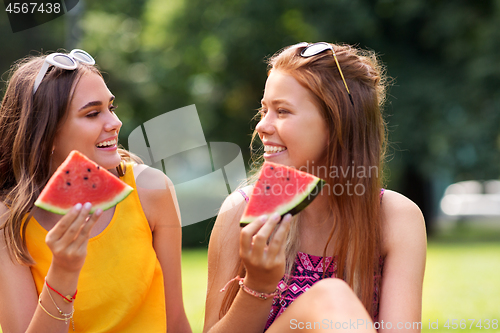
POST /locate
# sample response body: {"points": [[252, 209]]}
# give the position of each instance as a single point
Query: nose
{"points": [[266, 126], [113, 123]]}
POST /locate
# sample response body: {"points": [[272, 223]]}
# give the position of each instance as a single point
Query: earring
{"points": [[121, 169]]}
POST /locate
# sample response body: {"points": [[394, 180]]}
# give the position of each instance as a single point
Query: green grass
{"points": [[194, 286], [461, 281]]}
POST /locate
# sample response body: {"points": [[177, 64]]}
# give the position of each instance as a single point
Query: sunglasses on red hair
{"points": [[317, 48]]}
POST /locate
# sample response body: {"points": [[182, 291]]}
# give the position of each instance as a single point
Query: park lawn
{"points": [[461, 282], [194, 286]]}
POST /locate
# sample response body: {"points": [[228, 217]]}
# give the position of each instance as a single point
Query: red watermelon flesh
{"points": [[281, 189], [80, 180]]}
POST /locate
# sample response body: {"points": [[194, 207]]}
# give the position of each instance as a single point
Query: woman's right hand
{"points": [[68, 239], [264, 260]]}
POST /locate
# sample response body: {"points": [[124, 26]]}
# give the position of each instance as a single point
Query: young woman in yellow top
{"points": [[111, 271]]}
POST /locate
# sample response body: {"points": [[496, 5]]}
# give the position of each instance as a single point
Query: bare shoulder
{"points": [[150, 178], [226, 231], [232, 208], [402, 222], [396, 203], [157, 195]]}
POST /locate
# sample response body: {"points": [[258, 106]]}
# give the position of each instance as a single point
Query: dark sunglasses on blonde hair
{"points": [[317, 48]]}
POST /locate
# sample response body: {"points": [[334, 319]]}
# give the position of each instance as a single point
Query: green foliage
{"points": [[443, 108]]}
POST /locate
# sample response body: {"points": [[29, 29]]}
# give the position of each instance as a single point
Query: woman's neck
{"points": [[316, 224], [318, 212]]}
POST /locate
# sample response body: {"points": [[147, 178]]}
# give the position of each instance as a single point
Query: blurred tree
{"points": [[46, 37], [443, 110]]}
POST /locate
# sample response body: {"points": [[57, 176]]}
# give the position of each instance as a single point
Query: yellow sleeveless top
{"points": [[120, 288]]}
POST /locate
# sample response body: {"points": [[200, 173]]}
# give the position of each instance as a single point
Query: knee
{"points": [[332, 293], [332, 286]]}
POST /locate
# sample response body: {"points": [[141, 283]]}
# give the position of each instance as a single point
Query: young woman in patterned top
{"points": [[354, 259]]}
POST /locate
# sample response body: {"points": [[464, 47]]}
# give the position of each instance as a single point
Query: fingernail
{"points": [[87, 205], [287, 218], [276, 217], [78, 206], [263, 218], [98, 212]]}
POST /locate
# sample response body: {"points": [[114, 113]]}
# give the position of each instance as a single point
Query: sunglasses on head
{"points": [[64, 61], [317, 48]]}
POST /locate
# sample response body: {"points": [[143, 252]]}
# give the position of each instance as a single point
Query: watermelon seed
{"points": [[268, 187], [68, 183], [287, 178], [85, 177], [272, 168], [67, 171], [97, 167], [88, 169], [93, 185]]}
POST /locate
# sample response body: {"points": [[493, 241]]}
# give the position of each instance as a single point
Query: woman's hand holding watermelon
{"points": [[264, 260], [68, 239]]}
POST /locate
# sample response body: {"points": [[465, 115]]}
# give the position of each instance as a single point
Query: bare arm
{"points": [[404, 244], [264, 264], [161, 209], [19, 309]]}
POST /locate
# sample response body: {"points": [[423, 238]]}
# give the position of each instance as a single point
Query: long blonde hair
{"points": [[357, 138], [28, 125]]}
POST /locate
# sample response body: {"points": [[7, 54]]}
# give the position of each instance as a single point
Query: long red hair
{"points": [[357, 140]]}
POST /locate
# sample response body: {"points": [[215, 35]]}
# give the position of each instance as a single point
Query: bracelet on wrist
{"points": [[263, 296], [67, 298], [65, 316]]}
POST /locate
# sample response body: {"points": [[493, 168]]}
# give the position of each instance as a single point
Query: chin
{"points": [[109, 162]]}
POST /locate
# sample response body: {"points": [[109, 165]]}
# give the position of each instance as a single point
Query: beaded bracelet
{"points": [[249, 291], [66, 316]]}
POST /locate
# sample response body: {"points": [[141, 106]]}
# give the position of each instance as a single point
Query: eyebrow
{"points": [[278, 101], [95, 103]]}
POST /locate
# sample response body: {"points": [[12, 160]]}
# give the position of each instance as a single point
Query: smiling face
{"points": [[90, 126], [291, 128]]}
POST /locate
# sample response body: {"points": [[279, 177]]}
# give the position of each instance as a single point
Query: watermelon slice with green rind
{"points": [[281, 189], [80, 180]]}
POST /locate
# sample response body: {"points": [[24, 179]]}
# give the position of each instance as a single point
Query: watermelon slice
{"points": [[281, 189], [80, 180]]}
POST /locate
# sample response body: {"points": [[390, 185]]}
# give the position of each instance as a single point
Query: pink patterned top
{"points": [[308, 270]]}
